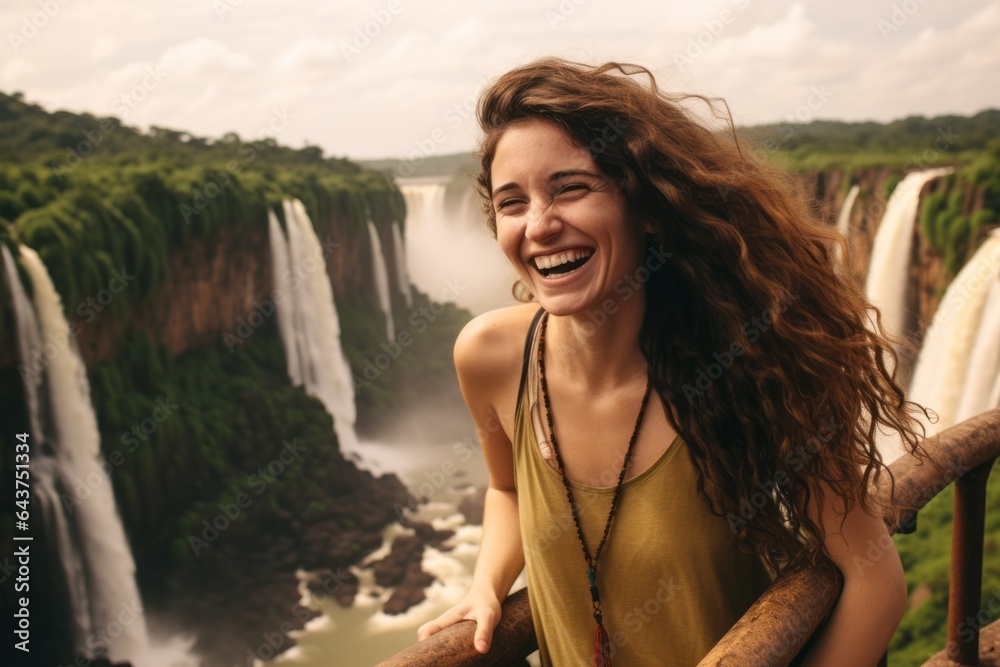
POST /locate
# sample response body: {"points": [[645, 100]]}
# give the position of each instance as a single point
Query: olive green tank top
{"points": [[671, 576]]}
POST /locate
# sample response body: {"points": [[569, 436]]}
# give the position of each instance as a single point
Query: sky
{"points": [[399, 78]]}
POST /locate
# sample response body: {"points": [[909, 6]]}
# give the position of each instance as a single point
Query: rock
{"points": [[391, 570], [472, 507], [426, 532], [410, 590], [342, 585]]}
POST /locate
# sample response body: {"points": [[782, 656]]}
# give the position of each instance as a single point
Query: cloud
{"points": [[428, 60], [204, 55], [309, 56], [104, 47]]}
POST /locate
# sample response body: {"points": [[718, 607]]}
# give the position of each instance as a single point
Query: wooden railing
{"points": [[776, 628]]}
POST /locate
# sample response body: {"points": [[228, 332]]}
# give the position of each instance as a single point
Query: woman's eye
{"points": [[507, 203], [570, 187]]}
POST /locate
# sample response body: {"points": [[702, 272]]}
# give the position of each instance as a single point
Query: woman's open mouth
{"points": [[562, 262]]}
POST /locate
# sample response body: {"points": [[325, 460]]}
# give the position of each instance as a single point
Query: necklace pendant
{"points": [[592, 575]]}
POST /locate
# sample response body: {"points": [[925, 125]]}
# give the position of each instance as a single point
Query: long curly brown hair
{"points": [[764, 352]]}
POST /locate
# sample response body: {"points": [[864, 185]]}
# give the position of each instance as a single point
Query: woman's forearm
{"points": [[501, 557], [864, 620]]}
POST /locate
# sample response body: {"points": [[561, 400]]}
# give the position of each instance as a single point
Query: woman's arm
{"points": [[874, 595], [483, 362]]}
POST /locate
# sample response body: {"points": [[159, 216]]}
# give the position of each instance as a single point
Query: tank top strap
{"points": [[527, 357]]}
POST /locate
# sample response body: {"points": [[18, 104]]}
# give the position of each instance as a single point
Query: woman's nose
{"points": [[543, 222]]}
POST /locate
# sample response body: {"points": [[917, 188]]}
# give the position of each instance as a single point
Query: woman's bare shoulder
{"points": [[489, 348]]}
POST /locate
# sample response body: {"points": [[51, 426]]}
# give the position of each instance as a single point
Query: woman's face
{"points": [[563, 224]]}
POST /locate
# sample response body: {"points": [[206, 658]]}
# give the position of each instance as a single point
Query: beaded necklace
{"points": [[602, 649]]}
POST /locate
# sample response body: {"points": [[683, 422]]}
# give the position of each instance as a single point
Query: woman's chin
{"points": [[566, 305]]}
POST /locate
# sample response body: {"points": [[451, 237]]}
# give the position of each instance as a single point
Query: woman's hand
{"points": [[480, 606]]}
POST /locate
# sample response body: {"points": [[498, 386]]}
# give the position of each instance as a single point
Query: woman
{"points": [[689, 407]]}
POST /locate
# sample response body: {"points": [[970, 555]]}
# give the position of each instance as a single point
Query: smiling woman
{"points": [[564, 226], [651, 248]]}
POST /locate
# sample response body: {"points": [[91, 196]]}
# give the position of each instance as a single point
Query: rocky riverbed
{"points": [[245, 600]]}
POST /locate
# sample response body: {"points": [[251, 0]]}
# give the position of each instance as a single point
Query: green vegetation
{"points": [[926, 556], [950, 218], [915, 142], [91, 196], [389, 378]]}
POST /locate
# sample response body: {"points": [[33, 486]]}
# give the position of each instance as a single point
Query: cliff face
{"points": [[214, 286], [927, 275], [349, 264]]}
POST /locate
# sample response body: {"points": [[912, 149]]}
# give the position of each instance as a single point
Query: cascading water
{"points": [[844, 218], [29, 342], [286, 324], [424, 222], [381, 281], [451, 256], [890, 258], [984, 356], [98, 563], [308, 322], [402, 274], [44, 469], [959, 357]]}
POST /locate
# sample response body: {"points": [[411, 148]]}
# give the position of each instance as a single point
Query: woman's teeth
{"points": [[562, 262]]}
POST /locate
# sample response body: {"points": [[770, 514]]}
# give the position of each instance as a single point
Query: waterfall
{"points": [[890, 258], [402, 275], [844, 219], [381, 281], [29, 342], [424, 224], [286, 325], [451, 256], [43, 467], [308, 322], [958, 360], [959, 363], [984, 356], [98, 562]]}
